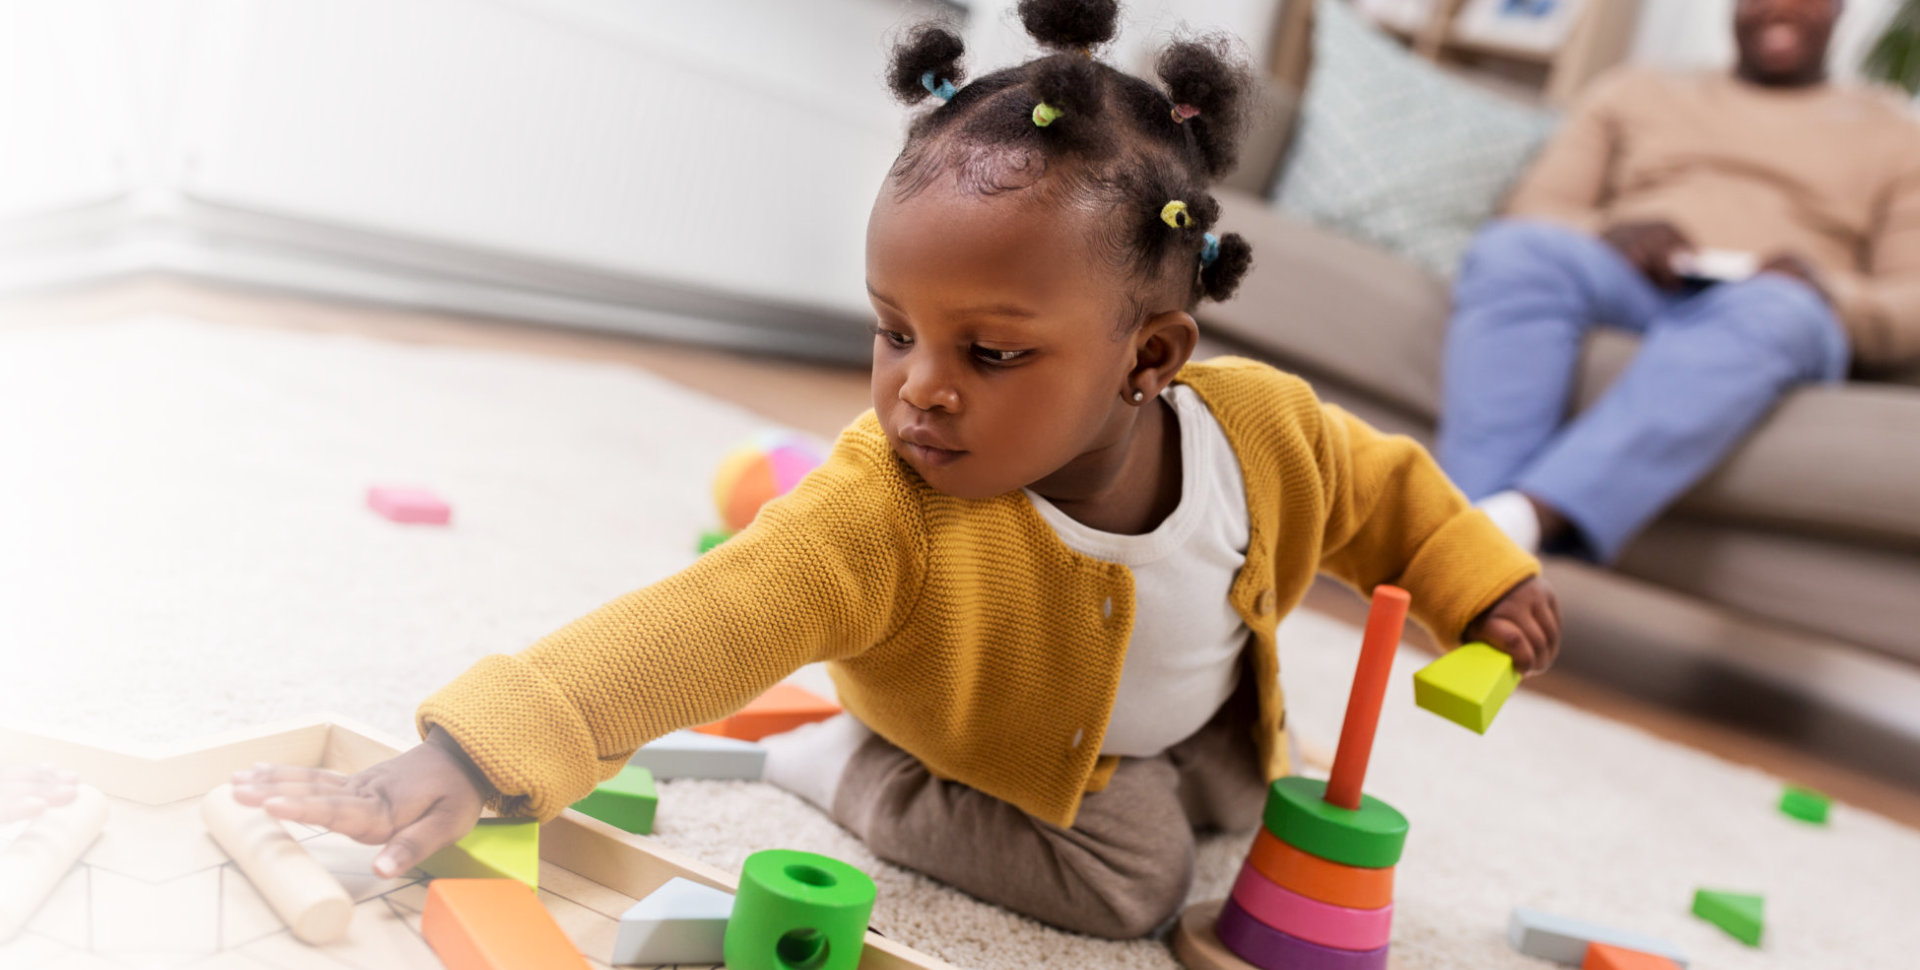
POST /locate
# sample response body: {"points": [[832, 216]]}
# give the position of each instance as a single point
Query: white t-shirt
{"points": [[1183, 660]]}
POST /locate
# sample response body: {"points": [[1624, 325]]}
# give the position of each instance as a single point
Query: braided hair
{"points": [[1143, 153]]}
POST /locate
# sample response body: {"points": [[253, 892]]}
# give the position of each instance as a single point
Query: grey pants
{"points": [[1122, 870]]}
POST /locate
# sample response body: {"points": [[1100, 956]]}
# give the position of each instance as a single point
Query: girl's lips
{"points": [[932, 457]]}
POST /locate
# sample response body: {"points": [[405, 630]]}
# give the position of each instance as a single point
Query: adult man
{"points": [[1815, 184]]}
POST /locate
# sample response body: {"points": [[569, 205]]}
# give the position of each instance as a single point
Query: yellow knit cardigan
{"points": [[964, 631]]}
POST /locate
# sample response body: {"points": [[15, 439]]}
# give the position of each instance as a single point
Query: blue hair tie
{"points": [[1210, 250], [940, 88]]}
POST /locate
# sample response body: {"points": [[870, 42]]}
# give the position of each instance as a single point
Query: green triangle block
{"points": [[626, 801], [497, 848], [1737, 913], [1467, 686], [1805, 804], [713, 538]]}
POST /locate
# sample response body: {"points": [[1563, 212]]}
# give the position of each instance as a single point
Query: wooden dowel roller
{"points": [[312, 903], [42, 855]]}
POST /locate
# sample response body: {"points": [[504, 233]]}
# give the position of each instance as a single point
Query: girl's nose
{"points": [[927, 388]]}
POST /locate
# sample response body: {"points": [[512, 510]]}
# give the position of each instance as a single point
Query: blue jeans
{"points": [[1710, 366]]}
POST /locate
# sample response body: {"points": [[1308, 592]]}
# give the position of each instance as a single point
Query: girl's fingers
{"points": [[1548, 620], [256, 794], [1508, 636], [363, 818], [434, 831]]}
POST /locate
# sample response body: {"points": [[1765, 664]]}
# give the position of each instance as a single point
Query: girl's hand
{"points": [[415, 804], [26, 792], [1525, 623]]}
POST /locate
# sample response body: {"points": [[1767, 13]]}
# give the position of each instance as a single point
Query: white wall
{"points": [[1699, 33]]}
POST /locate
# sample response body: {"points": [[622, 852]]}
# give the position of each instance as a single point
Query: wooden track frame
{"points": [[627, 864]]}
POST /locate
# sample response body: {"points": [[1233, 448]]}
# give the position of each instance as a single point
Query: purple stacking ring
{"points": [[1268, 948]]}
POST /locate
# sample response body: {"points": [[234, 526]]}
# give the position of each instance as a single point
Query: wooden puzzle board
{"points": [[156, 893]]}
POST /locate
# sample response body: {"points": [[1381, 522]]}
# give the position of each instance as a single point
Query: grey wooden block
{"points": [[690, 754], [1564, 940], [681, 922]]}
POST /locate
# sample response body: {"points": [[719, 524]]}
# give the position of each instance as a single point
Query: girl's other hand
{"points": [[25, 792], [415, 804], [1525, 624]]}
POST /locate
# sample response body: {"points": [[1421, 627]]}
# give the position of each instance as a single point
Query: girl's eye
{"points": [[893, 337], [993, 356]]}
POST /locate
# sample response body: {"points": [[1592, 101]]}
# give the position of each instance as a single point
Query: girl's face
{"points": [[998, 359]]}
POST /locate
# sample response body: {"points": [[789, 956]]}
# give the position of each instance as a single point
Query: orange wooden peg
{"points": [[1385, 621]]}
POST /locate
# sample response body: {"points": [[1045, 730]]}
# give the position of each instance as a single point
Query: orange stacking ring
{"points": [[1317, 878]]}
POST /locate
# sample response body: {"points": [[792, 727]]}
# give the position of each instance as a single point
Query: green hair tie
{"points": [[1175, 214], [1045, 114]]}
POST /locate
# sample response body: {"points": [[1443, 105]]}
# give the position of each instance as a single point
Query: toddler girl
{"points": [[1045, 571]]}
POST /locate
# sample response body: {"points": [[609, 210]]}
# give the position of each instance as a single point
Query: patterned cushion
{"points": [[1392, 151]]}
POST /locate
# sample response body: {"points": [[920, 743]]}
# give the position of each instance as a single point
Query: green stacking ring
{"points": [[798, 911], [1299, 815]]}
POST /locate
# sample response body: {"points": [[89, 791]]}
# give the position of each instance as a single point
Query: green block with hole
{"points": [[798, 911], [497, 848], [1739, 914], [1299, 814], [1805, 804], [626, 801], [1467, 686]]}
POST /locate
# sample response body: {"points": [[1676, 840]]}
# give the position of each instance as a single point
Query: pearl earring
{"points": [[1139, 396]]}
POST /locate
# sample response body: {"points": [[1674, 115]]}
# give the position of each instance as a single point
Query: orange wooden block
{"points": [[1319, 879], [494, 924], [782, 708], [1603, 957]]}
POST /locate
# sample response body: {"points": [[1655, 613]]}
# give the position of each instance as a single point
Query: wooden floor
{"points": [[821, 399]]}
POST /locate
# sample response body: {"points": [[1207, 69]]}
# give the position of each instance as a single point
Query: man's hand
{"points": [[1800, 268], [1650, 247], [1525, 624], [26, 792], [415, 804]]}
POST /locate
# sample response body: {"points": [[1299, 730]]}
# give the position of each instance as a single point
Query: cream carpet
{"points": [[184, 549]]}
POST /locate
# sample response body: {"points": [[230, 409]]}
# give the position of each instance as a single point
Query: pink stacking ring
{"points": [[1268, 948], [1309, 919]]}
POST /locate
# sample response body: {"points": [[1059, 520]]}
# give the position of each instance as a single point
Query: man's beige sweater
{"points": [[1830, 172]]}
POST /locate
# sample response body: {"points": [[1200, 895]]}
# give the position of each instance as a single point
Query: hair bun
{"points": [[1071, 84], [1207, 75], [1218, 281], [928, 48], [1071, 24]]}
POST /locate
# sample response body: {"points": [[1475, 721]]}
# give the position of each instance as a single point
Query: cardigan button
{"points": [[1106, 609], [1079, 736], [1264, 603]]}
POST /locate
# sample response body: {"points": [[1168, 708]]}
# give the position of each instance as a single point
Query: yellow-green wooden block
{"points": [[497, 848], [1467, 686], [1739, 914], [626, 801]]}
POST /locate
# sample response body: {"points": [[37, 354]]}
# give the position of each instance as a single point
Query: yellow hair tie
{"points": [[1045, 114], [1175, 214]]}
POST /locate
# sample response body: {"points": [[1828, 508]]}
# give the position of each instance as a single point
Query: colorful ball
{"points": [[761, 470]]}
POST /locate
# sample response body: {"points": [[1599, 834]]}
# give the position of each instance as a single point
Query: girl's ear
{"points": [[1162, 345]]}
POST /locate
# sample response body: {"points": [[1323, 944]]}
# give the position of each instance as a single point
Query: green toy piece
{"points": [[1737, 913], [626, 801], [711, 538], [1467, 686], [798, 911], [1298, 814], [497, 848], [1805, 804]]}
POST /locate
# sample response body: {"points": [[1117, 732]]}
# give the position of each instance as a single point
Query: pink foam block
{"points": [[409, 505], [1268, 948], [1310, 919]]}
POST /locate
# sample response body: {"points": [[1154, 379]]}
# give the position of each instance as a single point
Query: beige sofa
{"points": [[1783, 592]]}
